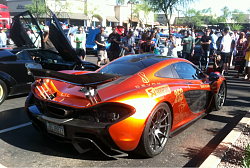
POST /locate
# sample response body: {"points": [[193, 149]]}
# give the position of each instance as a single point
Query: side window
{"points": [[188, 71], [165, 72]]}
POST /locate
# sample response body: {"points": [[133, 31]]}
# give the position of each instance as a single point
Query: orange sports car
{"points": [[134, 103]]}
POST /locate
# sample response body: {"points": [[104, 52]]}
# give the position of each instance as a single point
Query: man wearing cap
{"points": [[188, 44], [206, 40], [3, 38]]}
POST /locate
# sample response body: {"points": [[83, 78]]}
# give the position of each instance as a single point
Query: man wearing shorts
{"points": [[80, 40], [225, 49], [101, 47]]}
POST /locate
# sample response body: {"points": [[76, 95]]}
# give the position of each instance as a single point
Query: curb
{"points": [[215, 157]]}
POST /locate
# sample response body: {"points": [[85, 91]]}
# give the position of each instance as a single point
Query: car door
{"points": [[197, 92]]}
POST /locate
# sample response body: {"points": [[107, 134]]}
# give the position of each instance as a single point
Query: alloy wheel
{"points": [[159, 130]]}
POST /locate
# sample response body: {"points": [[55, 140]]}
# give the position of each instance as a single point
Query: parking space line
{"points": [[15, 127]]}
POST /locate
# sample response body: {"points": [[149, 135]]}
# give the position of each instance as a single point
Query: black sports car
{"points": [[14, 77]]}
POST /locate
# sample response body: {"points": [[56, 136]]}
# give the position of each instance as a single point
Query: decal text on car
{"points": [[179, 95], [154, 92], [147, 84], [143, 77]]}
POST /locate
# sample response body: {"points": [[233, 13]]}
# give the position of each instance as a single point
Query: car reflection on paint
{"points": [[134, 103]]}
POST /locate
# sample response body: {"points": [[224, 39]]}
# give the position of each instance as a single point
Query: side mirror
{"points": [[213, 76]]}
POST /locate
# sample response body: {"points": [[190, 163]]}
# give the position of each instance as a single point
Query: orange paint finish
{"points": [[144, 92], [127, 133]]}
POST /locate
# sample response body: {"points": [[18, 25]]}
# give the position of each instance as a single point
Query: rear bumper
{"points": [[84, 135]]}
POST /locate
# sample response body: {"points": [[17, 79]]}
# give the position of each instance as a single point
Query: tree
{"points": [[168, 7], [238, 16], [235, 26], [142, 11], [225, 12], [120, 2], [37, 8], [193, 17], [91, 10]]}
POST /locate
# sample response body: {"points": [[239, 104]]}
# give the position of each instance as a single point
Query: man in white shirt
{"points": [[3, 38], [225, 50]]}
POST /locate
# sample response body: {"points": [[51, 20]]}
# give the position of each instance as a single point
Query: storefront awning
{"points": [[112, 19], [125, 21], [79, 16]]}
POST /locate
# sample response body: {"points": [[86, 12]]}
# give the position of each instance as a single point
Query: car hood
{"points": [[60, 41], [19, 30], [57, 36], [91, 37]]}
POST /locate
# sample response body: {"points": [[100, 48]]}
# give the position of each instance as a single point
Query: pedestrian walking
{"points": [[247, 58], [225, 50], [101, 47], [80, 40], [172, 51], [157, 35], [3, 38], [213, 46], [206, 40], [188, 43], [143, 39], [128, 43], [115, 40]]}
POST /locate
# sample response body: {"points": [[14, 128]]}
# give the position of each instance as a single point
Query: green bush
{"points": [[246, 157]]}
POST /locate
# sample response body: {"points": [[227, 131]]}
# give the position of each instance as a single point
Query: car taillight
{"points": [[107, 113]]}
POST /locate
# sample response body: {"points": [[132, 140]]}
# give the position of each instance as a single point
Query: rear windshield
{"points": [[130, 65], [122, 68]]}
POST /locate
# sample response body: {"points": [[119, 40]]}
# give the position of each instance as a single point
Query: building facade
{"points": [[99, 12]]}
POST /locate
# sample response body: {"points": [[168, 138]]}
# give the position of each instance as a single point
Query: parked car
{"points": [[134, 103], [14, 77]]}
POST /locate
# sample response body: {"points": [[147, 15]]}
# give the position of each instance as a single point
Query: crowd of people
{"points": [[223, 47]]}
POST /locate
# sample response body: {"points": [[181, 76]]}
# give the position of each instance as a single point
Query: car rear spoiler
{"points": [[88, 81], [85, 80]]}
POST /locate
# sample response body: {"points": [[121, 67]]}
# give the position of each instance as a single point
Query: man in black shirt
{"points": [[147, 46], [205, 48], [101, 47], [115, 40]]}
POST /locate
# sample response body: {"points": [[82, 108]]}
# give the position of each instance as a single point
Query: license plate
{"points": [[55, 128]]}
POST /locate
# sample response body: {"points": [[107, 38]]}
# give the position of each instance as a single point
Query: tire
{"points": [[3, 91], [220, 97], [156, 132]]}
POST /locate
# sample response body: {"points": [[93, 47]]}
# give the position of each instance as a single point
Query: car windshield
{"points": [[122, 69], [124, 66]]}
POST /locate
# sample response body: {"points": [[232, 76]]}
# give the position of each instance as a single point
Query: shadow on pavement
{"points": [[198, 155]]}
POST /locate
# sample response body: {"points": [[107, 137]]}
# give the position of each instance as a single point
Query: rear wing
{"points": [[85, 80], [89, 82]]}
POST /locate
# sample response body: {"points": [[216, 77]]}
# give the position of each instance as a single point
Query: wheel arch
{"points": [[8, 80]]}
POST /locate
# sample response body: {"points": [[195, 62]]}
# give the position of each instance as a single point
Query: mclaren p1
{"points": [[134, 103]]}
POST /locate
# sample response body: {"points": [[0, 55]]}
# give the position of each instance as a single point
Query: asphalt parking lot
{"points": [[22, 146]]}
